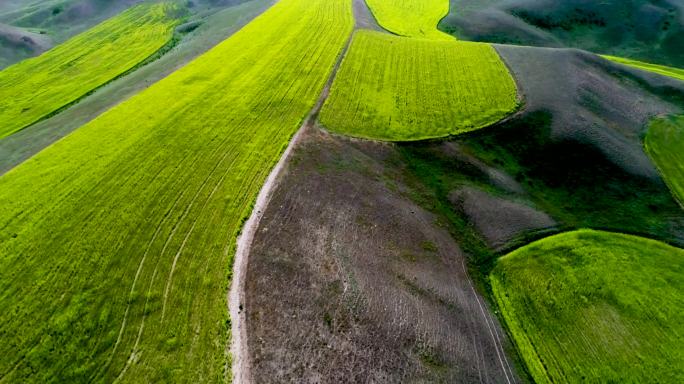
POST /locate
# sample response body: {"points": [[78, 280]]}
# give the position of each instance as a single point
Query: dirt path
{"points": [[241, 367], [364, 17], [238, 349]]}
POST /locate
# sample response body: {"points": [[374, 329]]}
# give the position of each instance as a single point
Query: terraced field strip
{"points": [[187, 46], [36, 88], [116, 242], [411, 18], [665, 144], [400, 89], [675, 73], [598, 307]]}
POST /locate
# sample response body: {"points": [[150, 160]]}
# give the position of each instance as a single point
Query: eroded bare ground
{"points": [[350, 281]]}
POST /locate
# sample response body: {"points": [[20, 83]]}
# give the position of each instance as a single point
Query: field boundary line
{"points": [[240, 371], [497, 345]]}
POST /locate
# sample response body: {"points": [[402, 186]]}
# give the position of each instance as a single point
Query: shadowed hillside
{"points": [[648, 30]]}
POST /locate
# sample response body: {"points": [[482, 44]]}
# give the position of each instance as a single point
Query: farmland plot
{"points": [[396, 88], [664, 70], [117, 241], [591, 306], [35, 88], [665, 144], [412, 18]]}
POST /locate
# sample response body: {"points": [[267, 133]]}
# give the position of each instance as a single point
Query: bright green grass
{"points": [[411, 18], [116, 242], [34, 88], [665, 144], [659, 69], [595, 307], [397, 88]]}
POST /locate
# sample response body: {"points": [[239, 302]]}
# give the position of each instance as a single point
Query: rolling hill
{"points": [[646, 30], [276, 191]]}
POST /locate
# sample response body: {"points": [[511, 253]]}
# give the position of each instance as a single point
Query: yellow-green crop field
{"points": [[116, 242], [595, 307], [665, 144], [412, 18], [35, 88], [676, 73], [397, 88]]}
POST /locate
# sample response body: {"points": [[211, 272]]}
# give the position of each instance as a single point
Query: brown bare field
{"points": [[349, 280]]}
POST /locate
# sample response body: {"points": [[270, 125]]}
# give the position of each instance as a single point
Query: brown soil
{"points": [[348, 280], [498, 220]]}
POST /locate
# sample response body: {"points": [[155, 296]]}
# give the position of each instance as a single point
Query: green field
{"points": [[411, 18], [35, 88], [397, 88], [117, 241], [665, 144], [596, 307], [655, 68]]}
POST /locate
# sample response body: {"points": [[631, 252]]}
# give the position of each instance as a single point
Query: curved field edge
{"points": [[675, 73], [664, 143], [77, 67], [402, 89], [595, 306], [118, 240], [411, 18]]}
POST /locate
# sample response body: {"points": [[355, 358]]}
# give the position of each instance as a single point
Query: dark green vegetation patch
{"points": [[665, 145]]}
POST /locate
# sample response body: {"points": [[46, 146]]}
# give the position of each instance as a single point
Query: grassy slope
{"points": [[595, 307], [117, 240], [665, 144], [214, 28], [396, 88], [67, 72], [675, 73], [412, 18]]}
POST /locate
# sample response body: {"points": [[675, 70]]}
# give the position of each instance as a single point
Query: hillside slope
{"points": [[55, 21], [350, 280], [646, 30], [17, 44], [356, 269], [106, 231], [595, 306], [202, 32], [77, 67]]}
